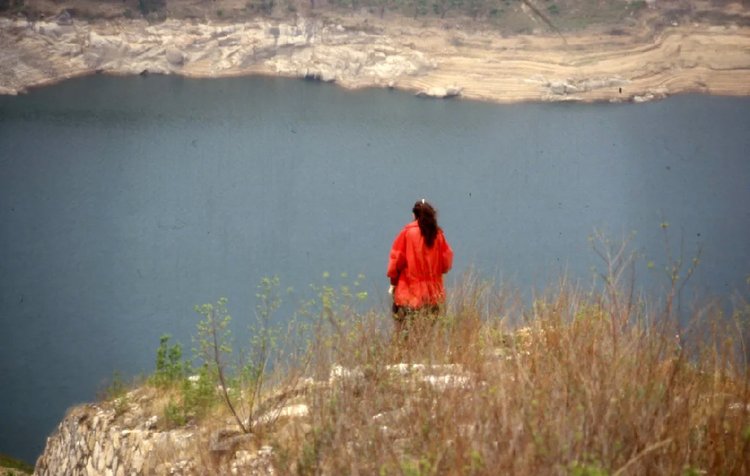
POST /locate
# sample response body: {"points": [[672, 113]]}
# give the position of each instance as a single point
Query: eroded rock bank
{"points": [[124, 438], [439, 60], [37, 53], [131, 436]]}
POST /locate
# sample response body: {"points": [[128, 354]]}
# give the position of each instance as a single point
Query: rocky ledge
{"points": [[96, 439], [443, 59], [129, 435]]}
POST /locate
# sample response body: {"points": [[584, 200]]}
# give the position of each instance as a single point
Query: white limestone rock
{"points": [[174, 56]]}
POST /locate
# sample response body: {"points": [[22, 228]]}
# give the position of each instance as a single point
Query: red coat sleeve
{"points": [[446, 255], [397, 259]]}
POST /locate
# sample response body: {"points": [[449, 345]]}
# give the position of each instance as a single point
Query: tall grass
{"points": [[582, 382]]}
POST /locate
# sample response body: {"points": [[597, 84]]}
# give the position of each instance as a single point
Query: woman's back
{"points": [[416, 267]]}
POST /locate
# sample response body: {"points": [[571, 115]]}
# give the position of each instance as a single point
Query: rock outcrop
{"points": [[430, 60], [123, 437], [107, 439], [36, 53]]}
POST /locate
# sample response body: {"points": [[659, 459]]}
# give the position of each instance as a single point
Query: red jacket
{"points": [[416, 270]]}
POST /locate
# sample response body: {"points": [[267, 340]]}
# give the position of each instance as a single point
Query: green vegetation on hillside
{"points": [[11, 5], [12, 466], [508, 16], [515, 15]]}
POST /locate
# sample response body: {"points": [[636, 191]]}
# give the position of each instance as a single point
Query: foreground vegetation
{"points": [[10, 466], [583, 382]]}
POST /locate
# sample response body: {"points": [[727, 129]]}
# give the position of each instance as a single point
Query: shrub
{"points": [[151, 6], [7, 463], [11, 5], [170, 367]]}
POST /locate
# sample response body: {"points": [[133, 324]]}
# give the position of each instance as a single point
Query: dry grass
{"points": [[581, 382], [587, 386]]}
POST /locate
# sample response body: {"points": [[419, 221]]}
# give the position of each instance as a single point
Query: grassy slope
{"points": [[12, 466]]}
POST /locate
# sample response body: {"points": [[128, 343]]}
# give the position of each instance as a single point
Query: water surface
{"points": [[125, 201]]}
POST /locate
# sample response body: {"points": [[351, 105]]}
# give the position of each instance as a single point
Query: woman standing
{"points": [[419, 257]]}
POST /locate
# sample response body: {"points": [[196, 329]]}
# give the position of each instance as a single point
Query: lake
{"points": [[126, 201]]}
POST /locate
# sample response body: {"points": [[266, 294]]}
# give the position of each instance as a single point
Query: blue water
{"points": [[125, 201]]}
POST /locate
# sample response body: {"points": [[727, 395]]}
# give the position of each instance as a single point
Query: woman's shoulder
{"points": [[411, 231]]}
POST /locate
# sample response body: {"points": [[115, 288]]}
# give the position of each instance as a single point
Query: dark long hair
{"points": [[426, 217]]}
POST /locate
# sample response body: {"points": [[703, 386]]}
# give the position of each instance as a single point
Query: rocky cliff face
{"points": [[112, 440], [128, 436], [431, 59], [39, 52]]}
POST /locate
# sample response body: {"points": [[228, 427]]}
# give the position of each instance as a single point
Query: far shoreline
{"points": [[433, 58], [51, 83]]}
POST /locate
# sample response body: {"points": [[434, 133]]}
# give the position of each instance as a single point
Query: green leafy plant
{"points": [[170, 368], [691, 471], [241, 380], [587, 469], [214, 347], [263, 340], [198, 393], [420, 467], [175, 414]]}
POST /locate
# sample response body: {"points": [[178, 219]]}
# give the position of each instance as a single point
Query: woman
{"points": [[420, 255]]}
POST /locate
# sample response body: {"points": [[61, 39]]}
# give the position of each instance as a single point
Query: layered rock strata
{"points": [[36, 53], [432, 60]]}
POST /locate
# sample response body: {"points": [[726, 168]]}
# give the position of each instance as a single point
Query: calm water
{"points": [[125, 201]]}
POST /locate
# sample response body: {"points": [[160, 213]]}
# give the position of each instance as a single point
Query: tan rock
{"points": [[175, 56], [90, 470], [137, 462], [97, 456], [487, 65], [109, 456]]}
